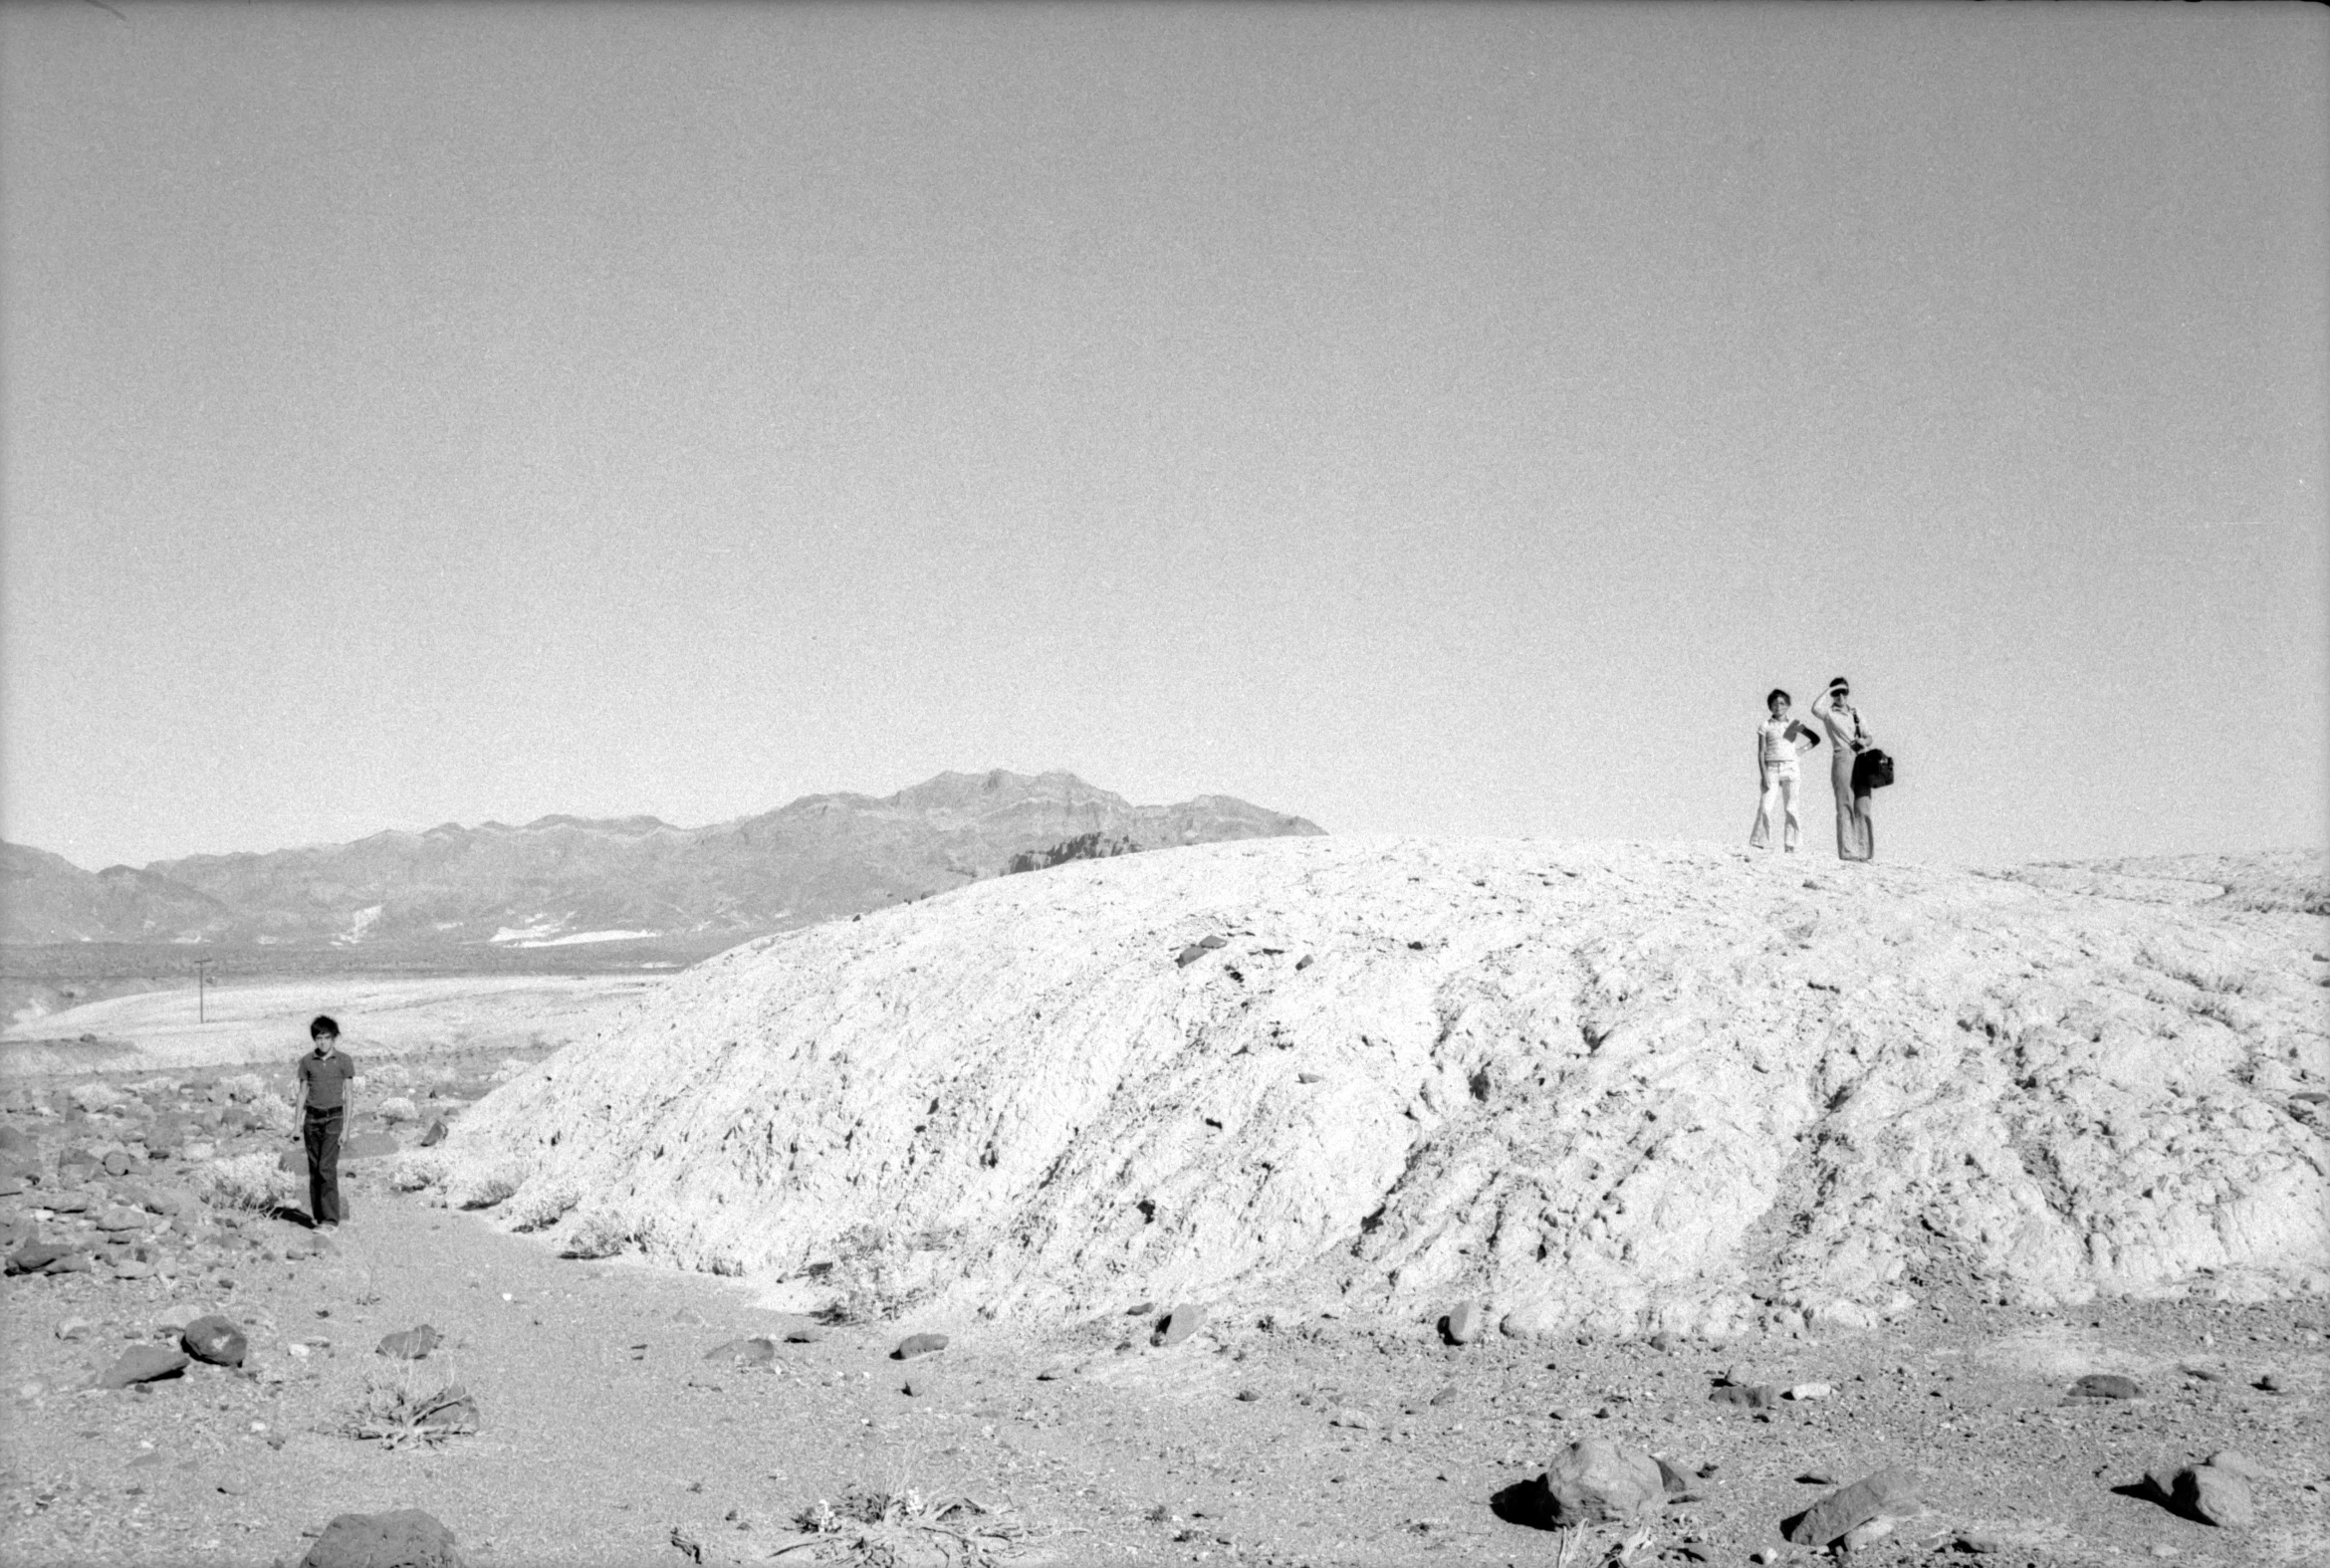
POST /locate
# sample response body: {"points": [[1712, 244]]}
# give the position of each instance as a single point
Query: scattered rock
{"points": [[1886, 1494], [1199, 949], [918, 1345], [2106, 1384], [142, 1364], [1356, 1420], [35, 1258], [406, 1538], [756, 1352], [120, 1218], [435, 1134], [216, 1340], [1599, 1481], [1178, 1324], [1466, 1322], [1755, 1396], [1810, 1391], [408, 1344], [923, 1383], [66, 1202], [2207, 1493], [1666, 1341], [76, 1328]]}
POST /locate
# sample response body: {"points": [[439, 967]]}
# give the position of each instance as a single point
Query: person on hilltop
{"points": [[323, 1103], [1779, 741], [1856, 826]]}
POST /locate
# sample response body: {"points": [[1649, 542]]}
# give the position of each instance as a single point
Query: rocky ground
{"points": [[591, 1427]]}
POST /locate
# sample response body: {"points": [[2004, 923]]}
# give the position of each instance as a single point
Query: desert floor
{"points": [[605, 1434]]}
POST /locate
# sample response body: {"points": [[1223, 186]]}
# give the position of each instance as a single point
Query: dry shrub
{"points": [[417, 1170], [901, 1528], [483, 1186], [541, 1203], [596, 1233], [254, 1182], [271, 1111], [405, 1404]]}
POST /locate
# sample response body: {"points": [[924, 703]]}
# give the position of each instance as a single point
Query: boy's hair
{"points": [[1777, 695], [1834, 681], [322, 1028]]}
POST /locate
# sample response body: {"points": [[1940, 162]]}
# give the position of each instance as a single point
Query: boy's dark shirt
{"points": [[326, 1079]]}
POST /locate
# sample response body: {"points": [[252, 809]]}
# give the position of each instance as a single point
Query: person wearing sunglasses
{"points": [[1856, 827]]}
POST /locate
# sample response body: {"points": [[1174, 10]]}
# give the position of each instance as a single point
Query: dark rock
{"points": [[1184, 1320], [1753, 1396], [1466, 1322], [1665, 1341], [34, 1256], [758, 1352], [121, 1218], [117, 1163], [66, 1202], [408, 1344], [408, 1538], [2105, 1384], [1595, 1481], [918, 1345], [1673, 1479], [2207, 1493], [1887, 1495], [435, 1134], [71, 1264], [216, 1340], [142, 1364]]}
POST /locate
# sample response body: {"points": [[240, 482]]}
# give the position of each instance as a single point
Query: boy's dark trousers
{"points": [[322, 1135]]}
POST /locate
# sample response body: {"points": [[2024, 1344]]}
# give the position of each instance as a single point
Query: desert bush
{"points": [[596, 1233], [541, 1203], [271, 1112], [483, 1186], [417, 1170], [255, 1182], [901, 1527], [404, 1404]]}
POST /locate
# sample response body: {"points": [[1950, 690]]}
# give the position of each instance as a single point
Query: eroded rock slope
{"points": [[1610, 1088]]}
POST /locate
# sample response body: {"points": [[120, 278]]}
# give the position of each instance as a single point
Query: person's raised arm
{"points": [[1822, 703]]}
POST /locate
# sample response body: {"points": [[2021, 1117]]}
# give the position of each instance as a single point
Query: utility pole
{"points": [[202, 980]]}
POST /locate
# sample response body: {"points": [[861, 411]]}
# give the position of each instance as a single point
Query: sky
{"points": [[1428, 419]]}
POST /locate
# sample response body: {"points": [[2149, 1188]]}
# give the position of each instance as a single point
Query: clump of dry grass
{"points": [[417, 1170], [903, 1529], [394, 1410], [596, 1233], [256, 1183]]}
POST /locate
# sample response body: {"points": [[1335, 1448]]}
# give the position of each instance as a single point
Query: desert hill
{"points": [[566, 879], [1613, 1088]]}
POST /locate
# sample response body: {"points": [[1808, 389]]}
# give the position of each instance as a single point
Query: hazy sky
{"points": [[1428, 419]]}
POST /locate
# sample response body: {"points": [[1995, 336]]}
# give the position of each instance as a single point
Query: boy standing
{"points": [[322, 1108], [1779, 741]]}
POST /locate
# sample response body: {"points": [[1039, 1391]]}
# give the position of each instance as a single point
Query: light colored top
{"points": [[1782, 740]]}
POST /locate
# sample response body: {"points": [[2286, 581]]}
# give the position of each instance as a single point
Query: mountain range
{"points": [[563, 880]]}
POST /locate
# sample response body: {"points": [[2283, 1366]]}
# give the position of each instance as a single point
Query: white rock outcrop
{"points": [[1615, 1089]]}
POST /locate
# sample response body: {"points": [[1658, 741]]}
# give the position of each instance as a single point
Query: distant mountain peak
{"points": [[563, 880]]}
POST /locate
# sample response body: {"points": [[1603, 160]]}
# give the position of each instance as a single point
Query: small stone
{"points": [[1666, 1341], [1886, 1494], [1980, 1545], [76, 1328], [2202, 1491], [66, 1202], [1596, 1481], [1183, 1321], [435, 1134], [1247, 1396], [408, 1344], [71, 1264], [406, 1538], [1810, 1391], [216, 1340], [918, 1345], [142, 1364], [1867, 1534], [1356, 1420], [2106, 1384], [117, 1163], [923, 1383], [1466, 1322], [1753, 1396], [2271, 1384], [757, 1352]]}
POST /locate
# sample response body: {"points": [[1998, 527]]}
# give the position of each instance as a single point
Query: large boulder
{"points": [[406, 1538], [1572, 1079], [1597, 1482]]}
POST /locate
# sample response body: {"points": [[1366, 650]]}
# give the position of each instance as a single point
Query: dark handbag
{"points": [[1872, 771]]}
